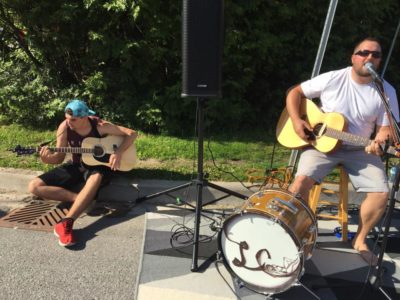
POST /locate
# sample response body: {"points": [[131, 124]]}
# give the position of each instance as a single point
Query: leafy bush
{"points": [[124, 58]]}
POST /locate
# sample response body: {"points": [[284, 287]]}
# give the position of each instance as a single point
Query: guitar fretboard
{"points": [[355, 139], [70, 150], [347, 137]]}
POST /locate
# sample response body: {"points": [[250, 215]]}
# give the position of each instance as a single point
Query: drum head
{"points": [[260, 252]]}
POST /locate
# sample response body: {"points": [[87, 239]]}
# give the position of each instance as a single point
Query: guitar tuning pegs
{"points": [[22, 151], [17, 149]]}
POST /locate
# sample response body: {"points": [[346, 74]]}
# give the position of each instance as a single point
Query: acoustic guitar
{"points": [[328, 130], [95, 151]]}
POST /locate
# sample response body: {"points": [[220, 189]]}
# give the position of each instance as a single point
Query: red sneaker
{"points": [[63, 230]]}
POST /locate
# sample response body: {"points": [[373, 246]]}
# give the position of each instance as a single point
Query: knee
{"points": [[379, 200], [34, 185], [302, 186], [95, 179], [302, 182]]}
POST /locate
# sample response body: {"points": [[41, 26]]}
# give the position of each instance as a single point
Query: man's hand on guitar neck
{"points": [[374, 148], [49, 157], [381, 142]]}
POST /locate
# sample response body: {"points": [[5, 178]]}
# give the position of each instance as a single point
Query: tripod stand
{"points": [[376, 278], [200, 183]]}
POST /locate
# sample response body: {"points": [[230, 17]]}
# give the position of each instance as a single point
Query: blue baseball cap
{"points": [[78, 108]]}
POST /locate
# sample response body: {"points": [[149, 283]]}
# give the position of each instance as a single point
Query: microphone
{"points": [[371, 70]]}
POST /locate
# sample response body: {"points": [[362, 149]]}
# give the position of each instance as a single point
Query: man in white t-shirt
{"points": [[352, 92]]}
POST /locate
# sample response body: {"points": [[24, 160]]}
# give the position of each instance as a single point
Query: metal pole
{"points": [[200, 181], [318, 61], [390, 50]]}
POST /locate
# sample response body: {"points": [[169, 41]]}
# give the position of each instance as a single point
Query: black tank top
{"points": [[75, 140]]}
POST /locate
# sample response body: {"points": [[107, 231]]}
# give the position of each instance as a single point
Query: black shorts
{"points": [[70, 175]]}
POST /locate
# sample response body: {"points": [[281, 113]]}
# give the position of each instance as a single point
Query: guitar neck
{"points": [[76, 150], [355, 140], [347, 137], [327, 130]]}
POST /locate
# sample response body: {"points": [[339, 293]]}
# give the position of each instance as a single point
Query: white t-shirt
{"points": [[359, 103]]}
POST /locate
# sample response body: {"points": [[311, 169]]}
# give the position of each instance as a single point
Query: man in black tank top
{"points": [[79, 123]]}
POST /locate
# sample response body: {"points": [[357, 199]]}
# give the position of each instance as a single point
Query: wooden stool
{"points": [[342, 194], [277, 177]]}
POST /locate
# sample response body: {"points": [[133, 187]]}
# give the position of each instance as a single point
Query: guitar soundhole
{"points": [[98, 151], [310, 134], [319, 129]]}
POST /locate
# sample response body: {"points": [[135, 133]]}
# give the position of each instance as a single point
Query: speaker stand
{"points": [[200, 183]]}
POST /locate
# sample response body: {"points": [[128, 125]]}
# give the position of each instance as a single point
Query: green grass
{"points": [[166, 157]]}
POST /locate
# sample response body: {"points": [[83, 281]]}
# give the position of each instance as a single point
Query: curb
{"points": [[123, 189], [16, 180]]}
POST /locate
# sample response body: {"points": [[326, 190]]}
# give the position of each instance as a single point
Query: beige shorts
{"points": [[366, 171]]}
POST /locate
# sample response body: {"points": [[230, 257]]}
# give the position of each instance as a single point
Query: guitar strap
{"points": [[46, 143]]}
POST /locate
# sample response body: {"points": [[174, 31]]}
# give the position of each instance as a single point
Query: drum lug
{"points": [[287, 204], [273, 206], [312, 228]]}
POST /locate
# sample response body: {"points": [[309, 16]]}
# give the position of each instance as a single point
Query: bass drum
{"points": [[266, 243]]}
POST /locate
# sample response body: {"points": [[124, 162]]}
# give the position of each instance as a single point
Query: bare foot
{"points": [[367, 255]]}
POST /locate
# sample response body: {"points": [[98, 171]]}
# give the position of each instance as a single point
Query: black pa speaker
{"points": [[202, 45]]}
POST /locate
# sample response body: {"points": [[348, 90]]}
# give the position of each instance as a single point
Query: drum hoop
{"points": [[297, 273], [254, 287]]}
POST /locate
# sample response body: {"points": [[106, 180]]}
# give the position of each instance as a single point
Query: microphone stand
{"points": [[378, 82], [376, 278]]}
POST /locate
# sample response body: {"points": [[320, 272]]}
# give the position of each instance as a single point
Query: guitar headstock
{"points": [[19, 150]]}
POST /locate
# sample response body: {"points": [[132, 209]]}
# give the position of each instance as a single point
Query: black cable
{"points": [[221, 170], [241, 182], [182, 235], [332, 209]]}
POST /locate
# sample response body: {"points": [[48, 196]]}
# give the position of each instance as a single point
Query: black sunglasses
{"points": [[365, 53]]}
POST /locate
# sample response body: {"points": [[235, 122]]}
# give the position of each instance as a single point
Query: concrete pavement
{"points": [[105, 263]]}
